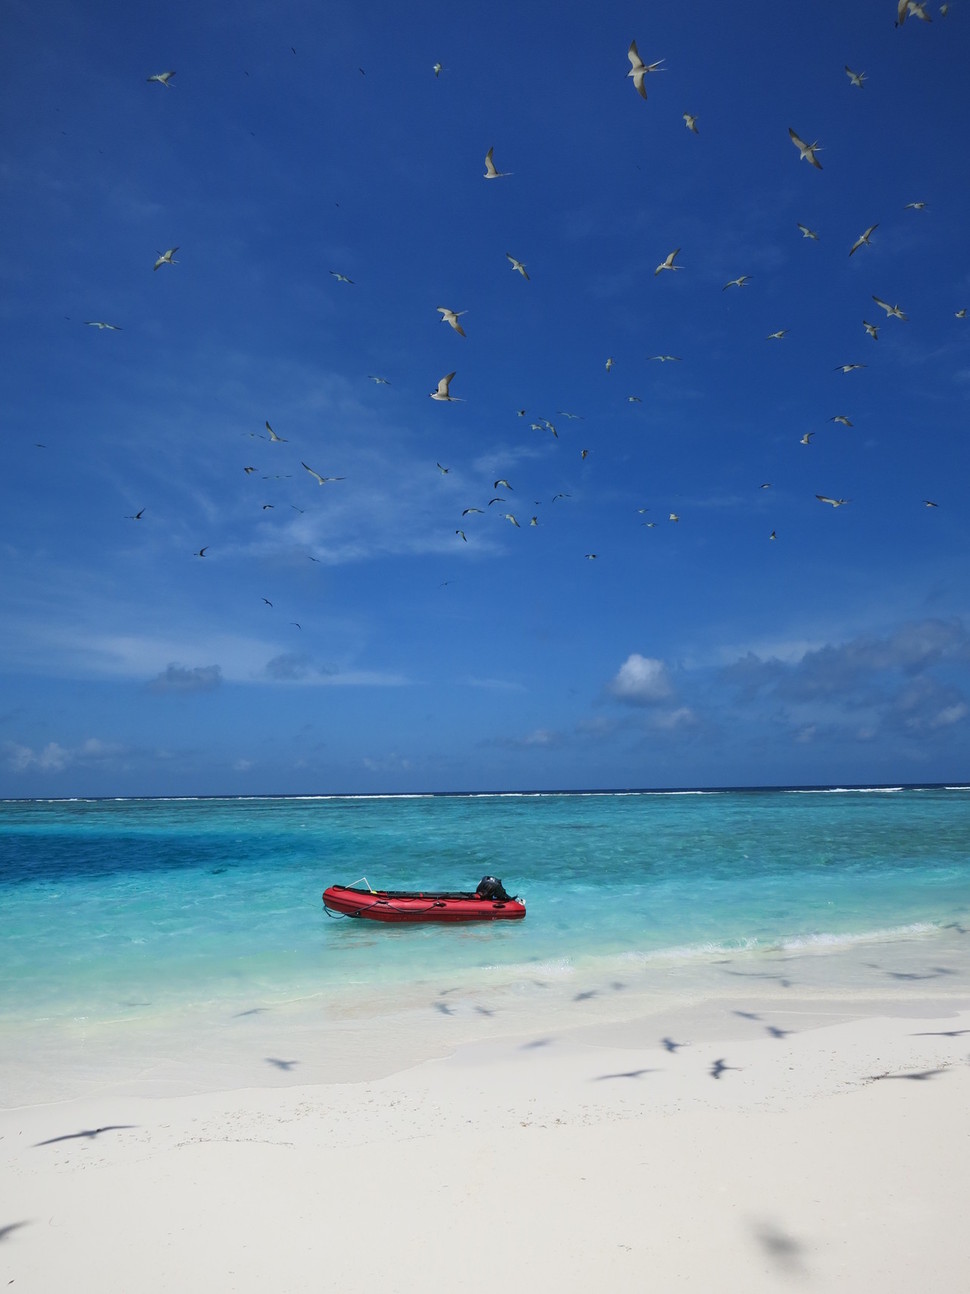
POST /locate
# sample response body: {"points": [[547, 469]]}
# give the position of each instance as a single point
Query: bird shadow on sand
{"points": [[10, 1228], [673, 1047], [88, 1133], [616, 986], [720, 1066], [773, 1031], [781, 979], [783, 1249], [627, 1073], [920, 1076], [286, 1065]]}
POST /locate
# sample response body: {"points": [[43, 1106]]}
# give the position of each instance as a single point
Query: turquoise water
{"points": [[117, 908]]}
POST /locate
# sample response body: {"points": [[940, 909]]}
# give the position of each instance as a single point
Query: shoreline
{"points": [[358, 1034]]}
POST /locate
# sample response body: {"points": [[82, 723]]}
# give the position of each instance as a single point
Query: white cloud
{"points": [[641, 681], [950, 714], [682, 717], [54, 758], [176, 678]]}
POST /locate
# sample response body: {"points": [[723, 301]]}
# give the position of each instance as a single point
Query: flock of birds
{"points": [[639, 72]]}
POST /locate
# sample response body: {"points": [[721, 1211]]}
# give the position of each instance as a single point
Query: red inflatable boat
{"points": [[488, 903]]}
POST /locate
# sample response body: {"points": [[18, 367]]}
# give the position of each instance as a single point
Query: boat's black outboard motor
{"points": [[490, 887]]}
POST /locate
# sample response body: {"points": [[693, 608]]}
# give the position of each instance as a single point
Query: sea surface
{"points": [[126, 921]]}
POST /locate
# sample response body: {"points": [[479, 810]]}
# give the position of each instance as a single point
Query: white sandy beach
{"points": [[805, 1144]]}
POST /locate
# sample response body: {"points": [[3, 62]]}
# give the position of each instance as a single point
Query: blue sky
{"points": [[346, 636]]}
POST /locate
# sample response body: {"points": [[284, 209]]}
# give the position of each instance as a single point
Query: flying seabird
{"points": [[280, 440], [916, 206], [201, 552], [490, 172], [136, 516], [639, 69], [668, 264], [808, 233], [690, 122], [98, 323], [872, 329], [163, 78], [320, 480], [503, 482], [611, 361], [665, 359], [463, 535], [166, 258], [863, 239], [442, 392], [451, 317], [806, 151], [847, 368], [341, 278], [508, 517], [961, 314], [840, 417], [516, 265], [772, 336], [836, 503], [807, 438], [378, 381], [892, 312], [855, 77], [930, 504], [443, 470], [918, 10], [737, 283], [466, 511], [437, 69]]}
